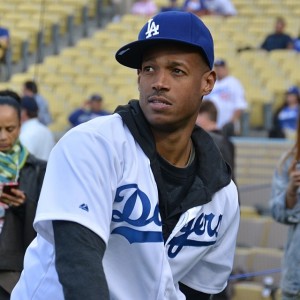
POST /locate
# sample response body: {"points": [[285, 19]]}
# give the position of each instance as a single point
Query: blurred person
{"points": [[229, 97], [145, 186], [30, 89], [285, 208], [207, 119], [91, 109], [296, 43], [120, 7], [172, 6], [35, 136], [18, 205], [4, 42], [196, 7], [286, 116], [117, 9], [145, 8], [278, 39], [220, 7]]}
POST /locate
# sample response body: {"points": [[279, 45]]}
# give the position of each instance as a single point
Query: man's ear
{"points": [[210, 80]]}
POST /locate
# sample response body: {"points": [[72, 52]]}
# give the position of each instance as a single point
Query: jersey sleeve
{"points": [[211, 273], [79, 183]]}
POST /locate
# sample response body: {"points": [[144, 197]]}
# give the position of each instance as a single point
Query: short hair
{"points": [[31, 86], [30, 106], [207, 106]]}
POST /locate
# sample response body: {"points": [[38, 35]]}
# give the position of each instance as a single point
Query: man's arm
{"points": [[74, 116], [237, 115], [79, 254]]}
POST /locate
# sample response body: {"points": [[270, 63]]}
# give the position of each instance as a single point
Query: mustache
{"points": [[159, 93]]}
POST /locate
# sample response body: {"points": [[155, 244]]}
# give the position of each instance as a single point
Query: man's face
{"points": [[95, 105], [27, 92], [9, 127], [172, 81], [221, 71], [279, 26]]}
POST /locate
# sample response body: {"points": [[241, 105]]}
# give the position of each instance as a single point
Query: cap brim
{"points": [[131, 55]]}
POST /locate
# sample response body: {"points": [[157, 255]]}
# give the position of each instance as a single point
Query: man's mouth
{"points": [[156, 100]]}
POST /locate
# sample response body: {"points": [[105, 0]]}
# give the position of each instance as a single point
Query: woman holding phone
{"points": [[21, 177], [285, 207]]}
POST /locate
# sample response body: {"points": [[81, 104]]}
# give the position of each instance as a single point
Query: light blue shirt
{"points": [[290, 279]]}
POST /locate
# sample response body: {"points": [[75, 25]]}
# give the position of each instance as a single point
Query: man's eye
{"points": [[147, 69], [178, 71]]}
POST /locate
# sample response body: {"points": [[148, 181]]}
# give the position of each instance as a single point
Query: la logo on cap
{"points": [[152, 29]]}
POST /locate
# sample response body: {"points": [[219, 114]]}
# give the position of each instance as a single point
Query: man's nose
{"points": [[161, 81]]}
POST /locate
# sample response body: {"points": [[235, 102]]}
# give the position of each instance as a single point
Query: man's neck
{"points": [[175, 149]]}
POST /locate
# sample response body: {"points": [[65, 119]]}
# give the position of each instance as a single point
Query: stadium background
{"points": [[68, 47]]}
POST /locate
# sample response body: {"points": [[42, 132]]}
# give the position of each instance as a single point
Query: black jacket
{"points": [[18, 232]]}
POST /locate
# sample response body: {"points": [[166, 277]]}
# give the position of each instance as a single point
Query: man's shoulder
{"points": [[40, 99], [217, 137], [34, 125], [4, 32], [102, 125], [103, 113], [233, 79]]}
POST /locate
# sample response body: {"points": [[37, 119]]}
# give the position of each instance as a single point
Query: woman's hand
{"points": [[293, 186], [17, 198], [294, 183]]}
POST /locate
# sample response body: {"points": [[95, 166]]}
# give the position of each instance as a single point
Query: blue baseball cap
{"points": [[293, 90], [220, 63], [172, 26]]}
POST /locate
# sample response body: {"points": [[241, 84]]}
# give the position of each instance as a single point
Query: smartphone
{"points": [[6, 187], [297, 168]]}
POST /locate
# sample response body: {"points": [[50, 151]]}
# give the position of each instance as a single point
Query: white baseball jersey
{"points": [[99, 177], [228, 95]]}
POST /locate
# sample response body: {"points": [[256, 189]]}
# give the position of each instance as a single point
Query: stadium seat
{"points": [[277, 235], [248, 291], [266, 261], [242, 260], [248, 212], [252, 232]]}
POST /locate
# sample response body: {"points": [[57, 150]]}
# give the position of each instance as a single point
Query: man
{"points": [[278, 39], [229, 97], [30, 89], [35, 136], [172, 6], [4, 42], [196, 7], [91, 109], [220, 7], [145, 8], [207, 119], [140, 204]]}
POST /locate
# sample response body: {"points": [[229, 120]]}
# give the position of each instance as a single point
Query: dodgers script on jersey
{"points": [[115, 195]]}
